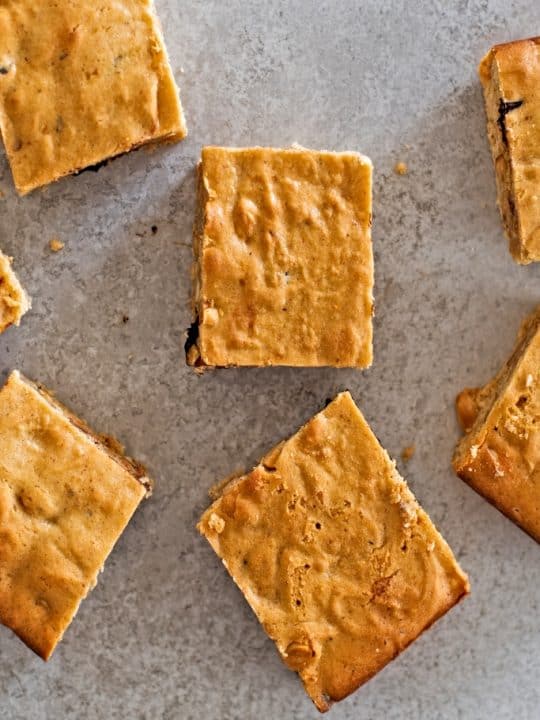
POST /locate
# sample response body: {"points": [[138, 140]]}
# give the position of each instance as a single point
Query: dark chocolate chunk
{"points": [[92, 168], [512, 205], [192, 335], [99, 165], [504, 109]]}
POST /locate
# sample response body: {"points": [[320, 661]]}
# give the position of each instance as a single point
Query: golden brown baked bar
{"points": [[500, 454], [510, 76], [81, 83], [338, 561], [66, 495], [14, 302], [283, 270]]}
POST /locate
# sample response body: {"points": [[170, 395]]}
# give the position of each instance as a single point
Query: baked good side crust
{"points": [[283, 271], [14, 302], [66, 495], [333, 553], [80, 85], [510, 76], [499, 456]]}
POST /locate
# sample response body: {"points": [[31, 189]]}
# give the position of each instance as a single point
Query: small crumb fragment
{"points": [[154, 229], [408, 452], [56, 245], [401, 168], [499, 472], [216, 523], [409, 512], [125, 319], [210, 317]]}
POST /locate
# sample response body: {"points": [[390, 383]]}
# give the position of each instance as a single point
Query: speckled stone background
{"points": [[166, 634]]}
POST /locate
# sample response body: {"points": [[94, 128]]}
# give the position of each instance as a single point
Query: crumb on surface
{"points": [[125, 319], [154, 229], [56, 245], [401, 168], [408, 452]]}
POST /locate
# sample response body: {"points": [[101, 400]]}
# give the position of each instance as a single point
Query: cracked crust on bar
{"points": [[510, 76], [333, 553], [66, 495], [80, 84], [500, 454], [14, 302], [283, 271]]}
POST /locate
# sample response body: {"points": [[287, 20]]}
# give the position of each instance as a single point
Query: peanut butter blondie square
{"points": [[500, 454], [283, 270], [330, 548], [14, 302], [510, 75], [66, 495], [81, 83]]}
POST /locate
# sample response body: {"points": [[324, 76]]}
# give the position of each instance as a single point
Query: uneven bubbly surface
{"points": [[500, 454], [65, 498], [283, 259], [81, 82], [510, 76], [14, 302], [338, 561]]}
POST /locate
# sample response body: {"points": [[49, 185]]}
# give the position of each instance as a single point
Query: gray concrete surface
{"points": [[166, 634]]}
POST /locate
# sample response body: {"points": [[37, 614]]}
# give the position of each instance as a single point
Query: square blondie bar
{"points": [[330, 548], [81, 83], [510, 75], [283, 270], [14, 302], [500, 454], [66, 495]]}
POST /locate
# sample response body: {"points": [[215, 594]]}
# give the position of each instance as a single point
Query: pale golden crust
{"points": [[510, 76], [284, 264], [14, 302], [500, 454], [81, 83], [333, 553], [65, 499]]}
